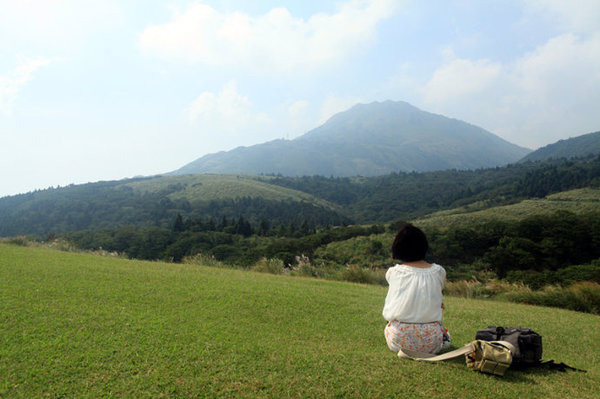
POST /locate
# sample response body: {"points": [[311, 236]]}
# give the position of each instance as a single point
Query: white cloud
{"points": [[539, 98], [574, 16], [56, 25], [298, 109], [12, 82], [273, 42], [460, 78], [227, 111], [563, 64]]}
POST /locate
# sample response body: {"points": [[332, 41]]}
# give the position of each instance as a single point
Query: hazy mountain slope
{"points": [[369, 140], [581, 146]]}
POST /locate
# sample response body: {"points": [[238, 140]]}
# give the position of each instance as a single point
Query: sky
{"points": [[94, 90]]}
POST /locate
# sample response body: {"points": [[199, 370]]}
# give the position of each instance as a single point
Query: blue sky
{"points": [[102, 89]]}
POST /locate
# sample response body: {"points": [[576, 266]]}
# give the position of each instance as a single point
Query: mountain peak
{"points": [[376, 107], [368, 140]]}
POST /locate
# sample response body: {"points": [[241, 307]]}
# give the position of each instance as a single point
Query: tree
{"points": [[243, 227], [178, 225], [513, 253], [304, 229], [263, 227]]}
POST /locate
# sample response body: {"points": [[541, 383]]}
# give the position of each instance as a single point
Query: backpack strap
{"points": [[492, 357], [429, 357], [560, 366]]}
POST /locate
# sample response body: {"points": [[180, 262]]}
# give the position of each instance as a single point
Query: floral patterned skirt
{"points": [[420, 337]]}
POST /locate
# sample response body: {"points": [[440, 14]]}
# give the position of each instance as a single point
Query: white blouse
{"points": [[415, 294]]}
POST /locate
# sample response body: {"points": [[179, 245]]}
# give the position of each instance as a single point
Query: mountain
{"points": [[576, 147], [369, 140]]}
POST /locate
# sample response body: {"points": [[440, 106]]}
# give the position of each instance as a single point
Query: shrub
{"points": [[572, 274], [357, 274], [466, 289], [268, 265], [588, 294], [581, 296], [204, 260], [565, 276], [66, 246], [305, 268], [112, 254], [477, 289], [478, 270], [531, 278], [21, 241], [497, 287]]}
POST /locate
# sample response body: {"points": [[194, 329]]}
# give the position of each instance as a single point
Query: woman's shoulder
{"points": [[391, 270], [406, 269], [440, 271], [437, 266]]}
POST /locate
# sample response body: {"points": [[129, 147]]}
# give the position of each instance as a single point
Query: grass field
{"points": [[79, 325]]}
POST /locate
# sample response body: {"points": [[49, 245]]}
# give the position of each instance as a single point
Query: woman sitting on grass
{"points": [[413, 305]]}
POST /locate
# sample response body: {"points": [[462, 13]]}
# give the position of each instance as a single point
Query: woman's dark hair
{"points": [[410, 244]]}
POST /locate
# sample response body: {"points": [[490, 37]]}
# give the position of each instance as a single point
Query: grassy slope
{"points": [[577, 201], [80, 325], [206, 187]]}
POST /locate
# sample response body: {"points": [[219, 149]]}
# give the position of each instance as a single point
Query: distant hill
{"points": [[583, 200], [279, 200], [576, 147], [369, 140], [156, 201]]}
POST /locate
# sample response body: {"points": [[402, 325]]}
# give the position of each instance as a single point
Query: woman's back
{"points": [[414, 294]]}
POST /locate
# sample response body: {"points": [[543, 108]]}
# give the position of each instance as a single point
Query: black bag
{"points": [[527, 343]]}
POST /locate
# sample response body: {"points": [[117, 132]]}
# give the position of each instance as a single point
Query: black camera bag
{"points": [[527, 343]]}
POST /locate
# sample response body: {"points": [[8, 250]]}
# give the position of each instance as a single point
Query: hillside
{"points": [[156, 201], [585, 200], [210, 187], [316, 200], [575, 147], [411, 195], [369, 140], [78, 325], [541, 238]]}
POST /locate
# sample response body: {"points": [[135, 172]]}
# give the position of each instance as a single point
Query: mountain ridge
{"points": [[579, 146], [369, 140]]}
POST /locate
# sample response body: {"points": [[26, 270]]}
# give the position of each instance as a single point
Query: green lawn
{"points": [[76, 325]]}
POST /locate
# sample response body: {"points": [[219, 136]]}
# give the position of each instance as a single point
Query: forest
{"points": [[410, 195], [536, 250], [335, 201]]}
